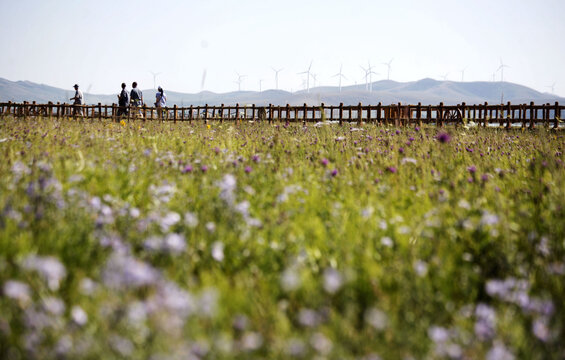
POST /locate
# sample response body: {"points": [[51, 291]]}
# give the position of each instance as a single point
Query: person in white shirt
{"points": [[160, 101], [78, 100]]}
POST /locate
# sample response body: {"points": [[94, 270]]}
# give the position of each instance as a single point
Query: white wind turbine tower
{"points": [[239, 80], [463, 73], [367, 71], [155, 78], [315, 78], [340, 75], [307, 72], [371, 72], [501, 69], [277, 77], [552, 87], [388, 66], [260, 83], [444, 77]]}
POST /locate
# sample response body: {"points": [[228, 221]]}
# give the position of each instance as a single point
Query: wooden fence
{"points": [[397, 114]]}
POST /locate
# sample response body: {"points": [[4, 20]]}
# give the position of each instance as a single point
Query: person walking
{"points": [[123, 101], [78, 100], [136, 97], [160, 101]]}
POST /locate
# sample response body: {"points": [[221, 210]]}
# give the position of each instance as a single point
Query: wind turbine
{"points": [[463, 73], [340, 75], [388, 66], [552, 87], [307, 72], [366, 77], [444, 77], [371, 72], [277, 77], [501, 69], [239, 80], [260, 82], [154, 78], [315, 78]]}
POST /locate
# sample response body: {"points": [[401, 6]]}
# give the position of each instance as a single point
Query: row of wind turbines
{"points": [[368, 76], [310, 75]]}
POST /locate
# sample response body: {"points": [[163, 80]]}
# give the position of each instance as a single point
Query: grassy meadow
{"points": [[149, 240]]}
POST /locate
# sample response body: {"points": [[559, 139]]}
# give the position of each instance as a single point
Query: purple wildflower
{"points": [[391, 169], [248, 169], [324, 161], [472, 169], [204, 168], [334, 172], [255, 158], [187, 169], [401, 150], [484, 177], [444, 138]]}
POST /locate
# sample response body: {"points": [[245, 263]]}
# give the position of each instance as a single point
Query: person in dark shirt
{"points": [[123, 101], [136, 97]]}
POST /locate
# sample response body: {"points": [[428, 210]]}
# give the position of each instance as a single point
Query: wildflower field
{"points": [[151, 240]]}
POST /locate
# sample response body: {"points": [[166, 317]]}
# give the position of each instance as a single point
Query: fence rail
{"points": [[398, 114]]}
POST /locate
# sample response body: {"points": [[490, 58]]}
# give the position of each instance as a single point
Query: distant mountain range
{"points": [[426, 91]]}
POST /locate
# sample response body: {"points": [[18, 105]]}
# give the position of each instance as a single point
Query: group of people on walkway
{"points": [[125, 101]]}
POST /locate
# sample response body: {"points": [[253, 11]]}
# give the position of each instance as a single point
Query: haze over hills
{"points": [[426, 91]]}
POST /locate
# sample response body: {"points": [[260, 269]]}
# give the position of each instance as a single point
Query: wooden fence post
{"points": [[556, 115], [419, 114], [305, 114], [359, 114], [464, 118], [205, 113], [379, 121], [340, 113], [532, 115], [440, 114]]}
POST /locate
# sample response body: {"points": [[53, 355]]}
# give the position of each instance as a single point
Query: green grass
{"points": [[260, 241]]}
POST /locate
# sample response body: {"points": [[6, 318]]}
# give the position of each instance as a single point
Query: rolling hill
{"points": [[426, 91]]}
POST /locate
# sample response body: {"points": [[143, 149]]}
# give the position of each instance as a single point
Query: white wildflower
{"points": [[17, 290], [124, 271], [408, 160], [218, 251], [420, 267], [251, 341], [170, 219], [190, 219], [376, 318], [290, 279], [50, 268], [78, 315], [321, 343], [227, 188], [333, 280], [387, 241]]}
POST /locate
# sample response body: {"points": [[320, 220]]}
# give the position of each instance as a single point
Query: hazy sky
{"points": [[199, 45]]}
